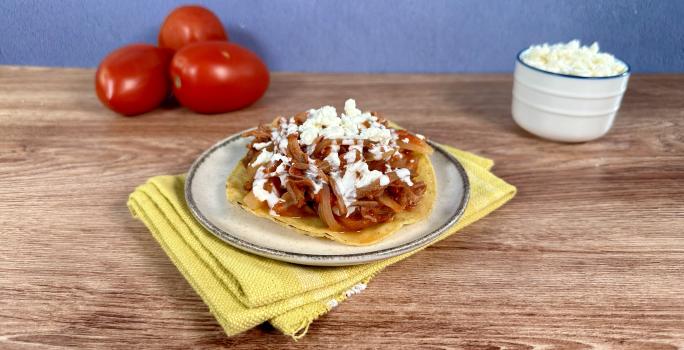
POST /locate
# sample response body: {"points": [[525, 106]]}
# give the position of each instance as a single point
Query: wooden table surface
{"points": [[589, 254]]}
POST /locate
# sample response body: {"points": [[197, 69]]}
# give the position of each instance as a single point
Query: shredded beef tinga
{"points": [[349, 177]]}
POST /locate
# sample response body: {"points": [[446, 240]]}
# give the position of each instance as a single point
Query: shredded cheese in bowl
{"points": [[573, 59]]}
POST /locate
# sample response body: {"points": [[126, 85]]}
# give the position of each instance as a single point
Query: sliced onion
{"points": [[261, 132], [356, 224], [322, 144], [414, 143], [322, 176], [389, 202], [296, 193], [377, 214], [419, 188], [300, 117], [365, 204], [300, 165], [423, 148], [339, 202], [295, 150], [287, 199], [392, 176], [368, 213], [325, 210], [411, 198], [275, 122], [369, 190], [251, 201], [324, 166], [283, 209], [251, 171]]}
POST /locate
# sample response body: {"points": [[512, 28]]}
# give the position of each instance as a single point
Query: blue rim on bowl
{"points": [[625, 73]]}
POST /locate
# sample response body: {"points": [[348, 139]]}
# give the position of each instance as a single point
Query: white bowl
{"points": [[563, 107]]}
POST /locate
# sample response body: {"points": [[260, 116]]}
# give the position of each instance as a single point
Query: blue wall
{"points": [[357, 35]]}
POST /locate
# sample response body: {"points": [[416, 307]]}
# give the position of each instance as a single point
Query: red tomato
{"points": [[217, 76], [189, 24], [133, 79]]}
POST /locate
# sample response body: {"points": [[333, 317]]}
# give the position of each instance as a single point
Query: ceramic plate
{"points": [[205, 192]]}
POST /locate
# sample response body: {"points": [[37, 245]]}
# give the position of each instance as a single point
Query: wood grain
{"points": [[590, 254]]}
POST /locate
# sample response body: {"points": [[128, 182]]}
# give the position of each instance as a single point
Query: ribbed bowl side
{"points": [[564, 108]]}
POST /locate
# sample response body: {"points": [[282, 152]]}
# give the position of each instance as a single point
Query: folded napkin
{"points": [[244, 290]]}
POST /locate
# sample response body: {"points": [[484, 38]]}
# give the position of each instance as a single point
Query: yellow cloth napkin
{"points": [[244, 290]]}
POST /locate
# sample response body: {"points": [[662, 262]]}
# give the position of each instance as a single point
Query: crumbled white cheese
{"points": [[282, 145], [281, 172], [350, 125], [333, 158], [316, 121], [261, 145], [346, 186], [351, 155], [326, 116], [312, 174], [270, 197], [404, 175], [420, 136], [375, 134], [377, 151], [357, 175], [573, 59], [332, 303], [353, 129], [405, 140], [350, 108], [368, 177], [308, 136], [279, 136], [263, 157], [333, 132], [280, 157], [292, 127], [356, 289]]}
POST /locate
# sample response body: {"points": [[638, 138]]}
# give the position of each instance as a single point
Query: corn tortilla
{"points": [[314, 226]]}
